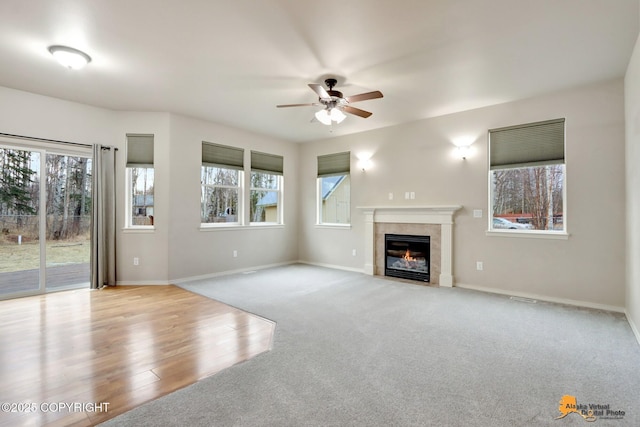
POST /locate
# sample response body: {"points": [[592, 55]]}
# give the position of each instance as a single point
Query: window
{"points": [[140, 180], [334, 189], [527, 177], [265, 198], [221, 179]]}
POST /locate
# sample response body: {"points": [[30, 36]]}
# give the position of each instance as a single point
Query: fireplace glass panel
{"points": [[407, 256]]}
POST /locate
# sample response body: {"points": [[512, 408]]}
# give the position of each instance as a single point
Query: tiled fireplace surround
{"points": [[434, 221]]}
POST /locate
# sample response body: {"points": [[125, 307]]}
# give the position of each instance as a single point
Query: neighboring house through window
{"points": [[527, 177], [265, 199], [334, 189], [140, 181]]}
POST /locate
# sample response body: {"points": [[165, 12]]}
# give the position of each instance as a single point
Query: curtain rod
{"points": [[53, 140]]}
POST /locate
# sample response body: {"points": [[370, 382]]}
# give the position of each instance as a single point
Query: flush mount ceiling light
{"points": [[69, 57]]}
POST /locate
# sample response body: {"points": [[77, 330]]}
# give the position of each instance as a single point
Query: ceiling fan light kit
{"points": [[329, 115], [335, 103]]}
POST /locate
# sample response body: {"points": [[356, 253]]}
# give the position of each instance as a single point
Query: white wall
{"points": [[632, 111], [194, 252], [152, 248], [176, 249], [27, 114], [419, 157]]}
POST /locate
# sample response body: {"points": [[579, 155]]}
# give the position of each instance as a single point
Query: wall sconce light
{"points": [[463, 150], [463, 145], [364, 164], [364, 161]]}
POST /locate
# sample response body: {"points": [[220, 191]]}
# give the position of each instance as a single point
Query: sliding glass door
{"points": [[20, 254], [68, 223], [45, 216]]}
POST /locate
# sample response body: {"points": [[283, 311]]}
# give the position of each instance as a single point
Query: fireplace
{"points": [[407, 256]]}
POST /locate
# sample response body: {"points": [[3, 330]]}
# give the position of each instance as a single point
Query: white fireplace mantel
{"points": [[442, 215]]}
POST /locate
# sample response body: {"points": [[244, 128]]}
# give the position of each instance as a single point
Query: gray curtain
{"points": [[103, 218]]}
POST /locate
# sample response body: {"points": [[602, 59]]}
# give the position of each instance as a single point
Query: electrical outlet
{"points": [[390, 196], [413, 195], [353, 252], [136, 261], [407, 195], [235, 254], [479, 266]]}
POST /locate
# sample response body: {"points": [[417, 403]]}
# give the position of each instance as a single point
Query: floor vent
{"points": [[523, 299]]}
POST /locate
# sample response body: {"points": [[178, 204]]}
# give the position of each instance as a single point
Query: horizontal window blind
{"points": [[334, 164], [139, 150], [222, 156], [263, 162], [533, 144]]}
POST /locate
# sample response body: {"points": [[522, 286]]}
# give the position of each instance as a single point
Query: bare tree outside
{"points": [[142, 198], [220, 193], [18, 186], [67, 215], [532, 195], [263, 199]]}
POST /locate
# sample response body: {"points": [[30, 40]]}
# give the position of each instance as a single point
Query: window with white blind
{"points": [[221, 180], [140, 181], [527, 178], [334, 189], [265, 195]]}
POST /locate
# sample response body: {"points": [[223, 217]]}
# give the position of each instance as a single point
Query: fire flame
{"points": [[407, 256]]}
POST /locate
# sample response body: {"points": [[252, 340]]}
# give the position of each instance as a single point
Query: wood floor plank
{"points": [[124, 346]]}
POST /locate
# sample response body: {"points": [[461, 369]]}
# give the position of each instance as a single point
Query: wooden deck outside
{"points": [[57, 277], [115, 347]]}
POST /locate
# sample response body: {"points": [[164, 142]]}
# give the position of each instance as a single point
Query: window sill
{"points": [[227, 227], [560, 235], [334, 226], [139, 229], [266, 225]]}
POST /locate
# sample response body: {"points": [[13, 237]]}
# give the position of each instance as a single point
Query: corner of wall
{"points": [[632, 180]]}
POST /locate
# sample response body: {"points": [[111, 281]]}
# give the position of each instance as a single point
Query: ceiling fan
{"points": [[335, 103]]}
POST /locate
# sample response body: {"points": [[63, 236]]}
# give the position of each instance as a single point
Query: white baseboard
{"points": [[229, 272], [634, 328], [335, 267], [143, 283], [567, 301]]}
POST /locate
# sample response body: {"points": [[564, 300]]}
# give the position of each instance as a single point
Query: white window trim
{"points": [[534, 234], [530, 234], [334, 226], [211, 227]]}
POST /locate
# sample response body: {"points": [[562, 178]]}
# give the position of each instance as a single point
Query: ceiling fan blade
{"points": [[322, 93], [356, 111], [364, 96], [297, 105]]}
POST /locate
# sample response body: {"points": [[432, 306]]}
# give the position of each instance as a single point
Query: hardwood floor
{"points": [[121, 346]]}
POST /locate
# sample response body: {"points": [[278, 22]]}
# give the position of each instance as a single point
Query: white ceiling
{"points": [[232, 61]]}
